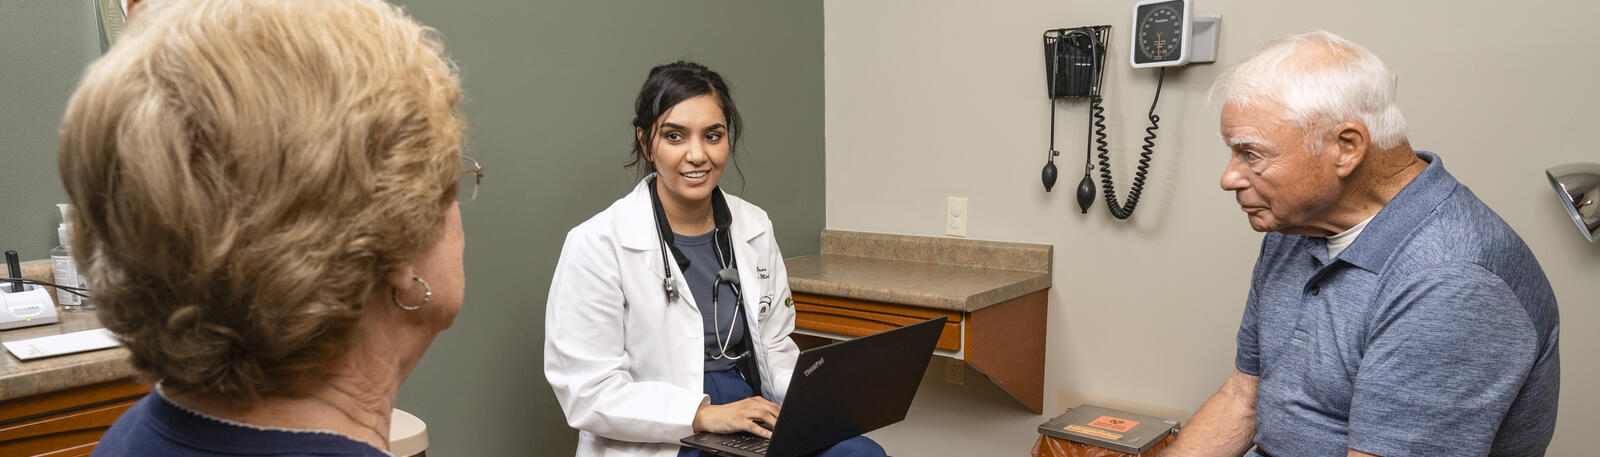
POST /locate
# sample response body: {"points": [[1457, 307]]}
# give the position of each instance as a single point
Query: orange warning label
{"points": [[1114, 424], [1093, 432]]}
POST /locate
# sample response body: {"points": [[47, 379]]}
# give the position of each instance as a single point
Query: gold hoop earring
{"points": [[427, 294]]}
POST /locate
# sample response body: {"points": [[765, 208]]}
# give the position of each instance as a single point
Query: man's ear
{"points": [[1351, 143]]}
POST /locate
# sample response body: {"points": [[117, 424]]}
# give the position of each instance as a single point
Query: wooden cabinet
{"points": [[1004, 341], [854, 318], [67, 422], [60, 406], [993, 293]]}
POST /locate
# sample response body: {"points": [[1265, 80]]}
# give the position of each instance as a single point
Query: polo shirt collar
{"points": [[1401, 216]]}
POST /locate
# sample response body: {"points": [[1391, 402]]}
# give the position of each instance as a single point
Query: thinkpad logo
{"points": [[814, 367]]}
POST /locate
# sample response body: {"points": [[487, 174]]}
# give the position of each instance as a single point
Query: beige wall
{"points": [[933, 98]]}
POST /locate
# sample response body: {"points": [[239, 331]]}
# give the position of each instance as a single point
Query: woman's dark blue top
{"points": [[702, 273], [155, 426]]}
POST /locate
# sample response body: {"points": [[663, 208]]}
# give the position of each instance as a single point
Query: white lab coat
{"points": [[626, 364]]}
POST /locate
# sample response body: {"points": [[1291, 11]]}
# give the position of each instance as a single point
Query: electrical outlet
{"points": [[956, 218], [955, 372]]}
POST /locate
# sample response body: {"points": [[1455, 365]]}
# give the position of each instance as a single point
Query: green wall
{"points": [[44, 45], [550, 86]]}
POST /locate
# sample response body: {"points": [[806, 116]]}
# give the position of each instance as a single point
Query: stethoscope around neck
{"points": [[727, 272]]}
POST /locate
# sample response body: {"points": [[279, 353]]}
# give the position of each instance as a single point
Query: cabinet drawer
{"points": [[862, 318], [64, 423]]}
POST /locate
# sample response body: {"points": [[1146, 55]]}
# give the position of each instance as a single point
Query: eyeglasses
{"points": [[471, 176]]}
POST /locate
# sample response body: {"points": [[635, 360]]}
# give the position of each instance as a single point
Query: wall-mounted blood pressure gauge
{"points": [[1166, 33]]}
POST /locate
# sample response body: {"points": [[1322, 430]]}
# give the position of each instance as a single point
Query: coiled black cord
{"points": [[1124, 211]]}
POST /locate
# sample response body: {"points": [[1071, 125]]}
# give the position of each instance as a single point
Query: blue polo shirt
{"points": [[1433, 334]]}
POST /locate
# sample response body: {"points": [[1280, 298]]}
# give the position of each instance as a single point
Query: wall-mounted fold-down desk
{"points": [[993, 293]]}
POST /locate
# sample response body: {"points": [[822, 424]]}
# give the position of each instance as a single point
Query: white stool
{"points": [[408, 435]]}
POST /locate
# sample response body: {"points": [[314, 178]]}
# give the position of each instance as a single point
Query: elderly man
{"points": [[1391, 312]]}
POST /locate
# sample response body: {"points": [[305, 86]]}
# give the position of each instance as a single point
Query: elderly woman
{"points": [[267, 206]]}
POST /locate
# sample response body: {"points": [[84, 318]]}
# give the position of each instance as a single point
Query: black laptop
{"points": [[838, 392]]}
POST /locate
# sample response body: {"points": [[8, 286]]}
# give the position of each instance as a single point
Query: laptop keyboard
{"points": [[750, 443]]}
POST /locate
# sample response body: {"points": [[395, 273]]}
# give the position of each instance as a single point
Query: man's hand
{"points": [[739, 416]]}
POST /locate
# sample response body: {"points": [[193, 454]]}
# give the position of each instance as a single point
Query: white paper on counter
{"points": [[67, 343]]}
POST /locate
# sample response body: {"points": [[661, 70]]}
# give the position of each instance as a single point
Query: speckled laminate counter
{"points": [[20, 379], [931, 285], [941, 273]]}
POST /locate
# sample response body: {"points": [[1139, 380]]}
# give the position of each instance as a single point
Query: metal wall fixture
{"points": [[1577, 185]]}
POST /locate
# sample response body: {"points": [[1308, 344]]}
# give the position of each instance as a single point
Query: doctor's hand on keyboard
{"points": [[747, 415]]}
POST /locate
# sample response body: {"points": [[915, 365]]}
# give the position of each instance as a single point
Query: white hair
{"points": [[1339, 81]]}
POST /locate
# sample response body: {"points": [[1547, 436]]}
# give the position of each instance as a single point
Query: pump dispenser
{"points": [[66, 271]]}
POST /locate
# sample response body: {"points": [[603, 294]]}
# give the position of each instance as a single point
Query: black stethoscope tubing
{"points": [[727, 272]]}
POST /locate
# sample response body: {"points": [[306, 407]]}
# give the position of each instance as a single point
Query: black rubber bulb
{"points": [[1085, 193], [1049, 175]]}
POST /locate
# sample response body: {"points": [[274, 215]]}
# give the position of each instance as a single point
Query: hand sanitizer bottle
{"points": [[66, 272]]}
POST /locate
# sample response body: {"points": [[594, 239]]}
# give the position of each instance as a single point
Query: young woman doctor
{"points": [[669, 312]]}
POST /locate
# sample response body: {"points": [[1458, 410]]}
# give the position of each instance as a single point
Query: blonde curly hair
{"points": [[244, 174]]}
